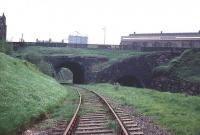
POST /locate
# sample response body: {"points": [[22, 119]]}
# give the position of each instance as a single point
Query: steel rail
{"points": [[123, 129], [74, 119], [69, 130]]}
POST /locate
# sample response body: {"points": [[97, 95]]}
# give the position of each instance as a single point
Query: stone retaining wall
{"points": [[174, 84]]}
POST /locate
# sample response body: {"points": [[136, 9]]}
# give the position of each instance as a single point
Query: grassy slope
{"points": [[25, 93], [185, 66], [113, 55], [178, 113], [63, 111]]}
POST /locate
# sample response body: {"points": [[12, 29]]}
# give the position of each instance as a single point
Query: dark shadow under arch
{"points": [[129, 81], [76, 69]]}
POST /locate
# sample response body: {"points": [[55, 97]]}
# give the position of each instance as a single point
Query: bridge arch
{"points": [[76, 68]]}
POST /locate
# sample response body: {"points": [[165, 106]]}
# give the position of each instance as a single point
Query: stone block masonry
{"points": [[174, 84]]}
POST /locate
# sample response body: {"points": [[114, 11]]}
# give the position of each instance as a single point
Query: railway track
{"points": [[94, 115]]}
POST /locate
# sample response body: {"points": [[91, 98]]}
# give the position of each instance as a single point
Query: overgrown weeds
{"points": [[185, 67], [112, 124]]}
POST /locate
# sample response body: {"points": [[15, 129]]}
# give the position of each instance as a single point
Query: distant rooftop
{"points": [[163, 36], [166, 34]]}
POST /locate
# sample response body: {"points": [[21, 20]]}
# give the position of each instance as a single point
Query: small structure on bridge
{"points": [[3, 27]]}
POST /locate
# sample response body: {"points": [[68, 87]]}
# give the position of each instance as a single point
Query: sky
{"points": [[56, 19]]}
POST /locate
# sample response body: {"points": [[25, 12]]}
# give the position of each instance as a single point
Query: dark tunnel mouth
{"points": [[130, 81], [77, 71]]}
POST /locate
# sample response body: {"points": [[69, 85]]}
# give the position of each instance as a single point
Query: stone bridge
{"points": [[81, 67], [134, 71]]}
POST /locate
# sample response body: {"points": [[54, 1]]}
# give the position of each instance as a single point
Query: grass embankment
{"points": [[178, 113], [25, 94], [112, 55], [186, 66], [63, 111]]}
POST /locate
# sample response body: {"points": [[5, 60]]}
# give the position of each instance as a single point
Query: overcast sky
{"points": [[56, 19]]}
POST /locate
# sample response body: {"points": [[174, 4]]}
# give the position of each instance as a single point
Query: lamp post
{"points": [[104, 35]]}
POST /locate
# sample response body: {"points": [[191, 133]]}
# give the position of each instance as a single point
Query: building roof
{"points": [[161, 36]]}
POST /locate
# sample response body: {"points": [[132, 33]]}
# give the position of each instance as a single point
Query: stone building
{"points": [[3, 27], [174, 40]]}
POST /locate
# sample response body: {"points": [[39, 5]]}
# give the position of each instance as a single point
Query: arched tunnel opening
{"points": [[65, 75], [76, 69], [130, 81]]}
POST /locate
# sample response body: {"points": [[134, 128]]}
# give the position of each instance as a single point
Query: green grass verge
{"points": [[112, 55], [179, 113], [186, 66], [25, 94], [63, 111]]}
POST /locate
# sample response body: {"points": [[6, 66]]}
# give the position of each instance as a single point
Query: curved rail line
{"points": [[74, 119], [122, 130], [125, 125]]}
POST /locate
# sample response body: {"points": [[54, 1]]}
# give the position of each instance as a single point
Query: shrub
{"points": [[6, 48], [45, 67], [116, 86], [39, 61]]}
